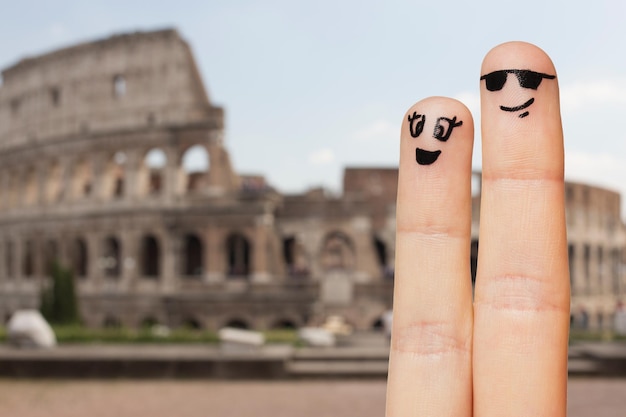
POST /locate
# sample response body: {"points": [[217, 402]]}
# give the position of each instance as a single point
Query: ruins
{"points": [[93, 140]]}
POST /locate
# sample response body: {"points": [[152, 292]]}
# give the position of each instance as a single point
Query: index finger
{"points": [[430, 358]]}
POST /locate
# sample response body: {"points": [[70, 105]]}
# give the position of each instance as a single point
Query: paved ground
{"points": [[587, 398]]}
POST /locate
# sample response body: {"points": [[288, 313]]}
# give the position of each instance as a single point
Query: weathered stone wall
{"points": [[93, 144]]}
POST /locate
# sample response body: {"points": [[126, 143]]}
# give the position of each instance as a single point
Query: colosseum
{"points": [[94, 141]]}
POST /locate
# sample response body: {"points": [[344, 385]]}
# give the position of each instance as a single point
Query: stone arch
{"points": [[150, 256], [53, 183], [238, 255], [50, 255], [112, 257], [194, 168], [295, 257], [237, 323], [284, 323], [82, 178], [151, 176], [192, 255], [192, 323], [337, 252], [114, 176], [79, 257]]}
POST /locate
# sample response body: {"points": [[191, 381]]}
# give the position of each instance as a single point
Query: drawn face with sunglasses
{"points": [[494, 81]]}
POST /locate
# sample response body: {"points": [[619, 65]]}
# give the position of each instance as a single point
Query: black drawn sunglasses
{"points": [[494, 81]]}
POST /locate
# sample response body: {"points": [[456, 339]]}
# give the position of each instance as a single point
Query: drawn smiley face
{"points": [[442, 131], [494, 81]]}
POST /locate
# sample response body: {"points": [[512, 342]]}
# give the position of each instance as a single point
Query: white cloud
{"points": [[322, 157], [380, 130], [586, 93]]}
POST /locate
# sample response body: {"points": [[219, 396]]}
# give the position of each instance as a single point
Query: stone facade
{"points": [[93, 144]]}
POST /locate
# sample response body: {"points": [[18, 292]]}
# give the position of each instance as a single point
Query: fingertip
{"points": [[435, 163], [517, 54], [520, 111], [434, 125]]}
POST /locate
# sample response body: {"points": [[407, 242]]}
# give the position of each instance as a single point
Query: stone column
{"points": [[4, 189], [94, 268], [365, 263], [170, 174], [19, 184], [18, 251], [170, 272], [129, 257], [98, 167], [131, 177], [65, 191], [42, 173], [259, 248], [214, 257]]}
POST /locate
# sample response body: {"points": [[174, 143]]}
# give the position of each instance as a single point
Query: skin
{"points": [[504, 352]]}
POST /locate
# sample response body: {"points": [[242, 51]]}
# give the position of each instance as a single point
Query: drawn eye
{"points": [[416, 124], [444, 127]]}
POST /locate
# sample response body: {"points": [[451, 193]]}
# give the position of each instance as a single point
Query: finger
{"points": [[521, 306], [430, 359]]}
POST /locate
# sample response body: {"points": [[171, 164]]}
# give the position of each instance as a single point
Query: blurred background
{"points": [[207, 190]]}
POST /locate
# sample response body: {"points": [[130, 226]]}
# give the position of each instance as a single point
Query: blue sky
{"points": [[310, 87]]}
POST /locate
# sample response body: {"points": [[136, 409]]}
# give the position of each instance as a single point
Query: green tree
{"points": [[59, 304]]}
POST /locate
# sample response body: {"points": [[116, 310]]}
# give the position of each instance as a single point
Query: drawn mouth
{"points": [[424, 157], [518, 108]]}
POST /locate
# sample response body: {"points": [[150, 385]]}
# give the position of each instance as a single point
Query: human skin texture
{"points": [[502, 352]]}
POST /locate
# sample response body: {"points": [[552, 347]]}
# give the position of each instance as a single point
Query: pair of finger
{"points": [[502, 352]]}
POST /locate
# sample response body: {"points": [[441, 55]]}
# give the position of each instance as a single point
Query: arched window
{"points": [[192, 255], [284, 324], [237, 324], [119, 86], [50, 255], [111, 257], [152, 172], [150, 256], [191, 323], [79, 258], [115, 175], [28, 266], [195, 164], [337, 252], [82, 179], [295, 257], [238, 252]]}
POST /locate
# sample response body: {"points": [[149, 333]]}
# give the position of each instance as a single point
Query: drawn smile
{"points": [[424, 157], [518, 108]]}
